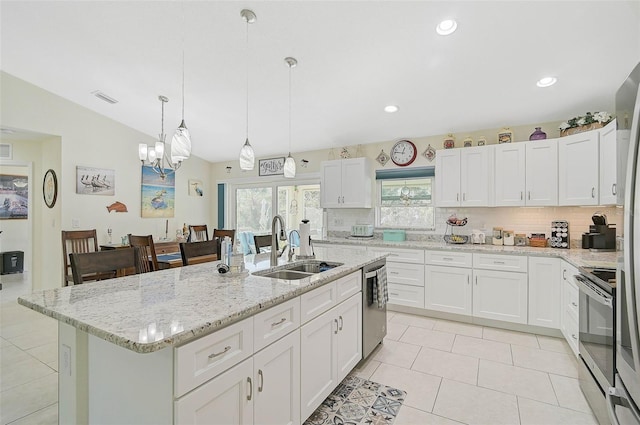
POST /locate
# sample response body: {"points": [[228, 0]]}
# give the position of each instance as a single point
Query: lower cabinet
{"points": [[407, 295], [331, 345], [264, 389], [569, 312], [500, 295], [447, 289], [544, 292]]}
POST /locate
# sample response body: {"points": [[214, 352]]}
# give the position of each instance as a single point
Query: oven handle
{"points": [[607, 301]]}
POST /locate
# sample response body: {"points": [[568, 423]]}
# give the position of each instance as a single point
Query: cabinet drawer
{"points": [[408, 295], [399, 255], [405, 273], [510, 263], [349, 285], [166, 247], [571, 295], [204, 358], [447, 258], [570, 331], [276, 322], [316, 302]]}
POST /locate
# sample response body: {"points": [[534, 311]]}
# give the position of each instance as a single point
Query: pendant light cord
{"points": [[290, 66], [182, 7], [247, 81]]}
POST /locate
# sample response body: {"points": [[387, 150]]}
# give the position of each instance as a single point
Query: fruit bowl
{"points": [[456, 239]]}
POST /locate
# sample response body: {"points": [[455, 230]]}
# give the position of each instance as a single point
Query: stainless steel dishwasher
{"points": [[374, 319]]}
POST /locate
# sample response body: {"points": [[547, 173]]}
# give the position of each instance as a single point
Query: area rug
{"points": [[359, 401]]}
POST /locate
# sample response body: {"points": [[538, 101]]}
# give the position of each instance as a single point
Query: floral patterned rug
{"points": [[358, 401]]}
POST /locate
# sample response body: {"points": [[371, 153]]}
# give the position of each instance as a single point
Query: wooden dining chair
{"points": [[198, 252], [261, 241], [76, 241], [199, 231], [146, 253], [221, 233], [100, 265]]}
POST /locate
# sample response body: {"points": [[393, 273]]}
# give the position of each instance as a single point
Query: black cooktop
{"points": [[603, 277]]}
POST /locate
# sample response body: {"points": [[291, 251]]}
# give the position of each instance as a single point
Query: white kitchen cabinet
{"points": [[345, 183], [608, 165], [569, 317], [328, 348], [510, 182], [541, 171], [500, 295], [464, 177], [578, 169], [406, 295], [448, 289], [544, 292]]}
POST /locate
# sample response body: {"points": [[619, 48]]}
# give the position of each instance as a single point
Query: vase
{"points": [[538, 134], [449, 142]]}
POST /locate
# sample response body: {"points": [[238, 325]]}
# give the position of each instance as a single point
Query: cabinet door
{"points": [[225, 400], [447, 289], [331, 184], [578, 169], [500, 295], [544, 292], [448, 178], [277, 382], [541, 171], [476, 176], [356, 183], [349, 335], [608, 166], [318, 368], [510, 174]]}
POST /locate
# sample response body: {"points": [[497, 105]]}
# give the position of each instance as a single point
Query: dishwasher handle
{"points": [[372, 273]]}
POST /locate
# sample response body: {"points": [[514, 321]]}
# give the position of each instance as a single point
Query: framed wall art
{"points": [[95, 181], [195, 188], [158, 195], [14, 192], [271, 167]]}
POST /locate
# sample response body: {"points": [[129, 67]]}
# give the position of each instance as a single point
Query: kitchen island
{"points": [[123, 342]]}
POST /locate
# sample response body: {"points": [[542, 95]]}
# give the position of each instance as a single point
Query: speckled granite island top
{"points": [[151, 311]]}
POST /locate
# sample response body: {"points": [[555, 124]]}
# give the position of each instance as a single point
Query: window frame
{"points": [[378, 204]]}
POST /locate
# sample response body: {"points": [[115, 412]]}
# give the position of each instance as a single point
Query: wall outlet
{"points": [[75, 223], [65, 360]]}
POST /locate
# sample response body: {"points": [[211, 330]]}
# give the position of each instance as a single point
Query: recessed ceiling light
{"points": [[446, 27], [391, 109], [546, 81]]}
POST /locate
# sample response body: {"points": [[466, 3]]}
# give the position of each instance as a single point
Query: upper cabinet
{"points": [[465, 177], [346, 183], [608, 166], [578, 169]]}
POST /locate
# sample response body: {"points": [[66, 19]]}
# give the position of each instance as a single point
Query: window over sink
{"points": [[405, 203]]}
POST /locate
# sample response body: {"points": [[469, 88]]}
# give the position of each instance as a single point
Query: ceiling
{"points": [[354, 57]]}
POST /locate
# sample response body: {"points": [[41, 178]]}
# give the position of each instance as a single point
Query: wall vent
{"points": [[6, 151], [104, 97]]}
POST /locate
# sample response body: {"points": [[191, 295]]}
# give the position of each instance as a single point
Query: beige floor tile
{"points": [[421, 388], [4, 343], [482, 349], [510, 337], [34, 339], [31, 325], [536, 413], [428, 338], [397, 353], [54, 365], [546, 361], [46, 416], [23, 372], [569, 394], [366, 369], [550, 343], [10, 355], [390, 314], [516, 380], [395, 330], [447, 365], [474, 405], [414, 320], [410, 416], [458, 328], [46, 353], [25, 399]]}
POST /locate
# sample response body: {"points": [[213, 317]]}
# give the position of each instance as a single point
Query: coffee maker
{"points": [[601, 235]]}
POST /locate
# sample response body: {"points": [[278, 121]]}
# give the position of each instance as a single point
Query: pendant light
{"points": [[290, 163], [181, 142], [247, 156]]}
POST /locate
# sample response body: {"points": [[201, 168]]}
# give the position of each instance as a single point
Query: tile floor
{"points": [[452, 372]]}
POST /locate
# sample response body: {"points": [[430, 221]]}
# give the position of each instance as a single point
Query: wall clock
{"points": [[50, 188], [403, 153]]}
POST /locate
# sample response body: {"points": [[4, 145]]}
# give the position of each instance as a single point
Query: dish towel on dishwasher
{"points": [[380, 291]]}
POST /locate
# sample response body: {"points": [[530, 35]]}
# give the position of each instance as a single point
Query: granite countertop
{"points": [[576, 256], [151, 311]]}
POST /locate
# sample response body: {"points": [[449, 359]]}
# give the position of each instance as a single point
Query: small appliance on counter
{"points": [[601, 235], [362, 230], [559, 234]]}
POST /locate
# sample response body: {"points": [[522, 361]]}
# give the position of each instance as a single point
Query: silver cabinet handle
{"points": [[521, 196], [574, 336], [343, 199], [468, 279], [279, 322], [564, 274], [336, 331], [261, 376], [593, 192], [498, 262], [457, 196], [529, 195], [447, 259], [574, 304], [614, 189], [476, 280], [250, 389], [395, 294], [214, 355], [394, 273], [341, 323], [464, 196], [338, 199]]}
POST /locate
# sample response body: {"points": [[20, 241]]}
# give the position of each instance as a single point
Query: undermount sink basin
{"points": [[298, 270]]}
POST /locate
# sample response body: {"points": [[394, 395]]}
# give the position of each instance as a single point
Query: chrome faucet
{"points": [[291, 244], [274, 239]]}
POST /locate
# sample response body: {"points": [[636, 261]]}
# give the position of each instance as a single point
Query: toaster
{"points": [[362, 230]]}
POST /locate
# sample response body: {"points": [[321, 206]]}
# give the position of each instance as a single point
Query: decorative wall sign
{"points": [[15, 196], [158, 195], [117, 207], [271, 167], [382, 158], [195, 187], [429, 153], [50, 188], [95, 181]]}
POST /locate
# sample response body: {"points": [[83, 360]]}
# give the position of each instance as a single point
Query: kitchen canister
{"points": [[497, 236]]}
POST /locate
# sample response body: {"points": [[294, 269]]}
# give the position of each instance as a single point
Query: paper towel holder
{"points": [[306, 252]]}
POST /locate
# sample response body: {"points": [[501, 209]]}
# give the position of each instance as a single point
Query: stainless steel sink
{"points": [[298, 270]]}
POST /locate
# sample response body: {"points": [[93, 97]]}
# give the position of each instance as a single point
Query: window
{"points": [[406, 203]]}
